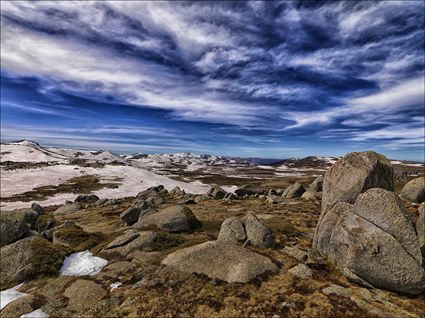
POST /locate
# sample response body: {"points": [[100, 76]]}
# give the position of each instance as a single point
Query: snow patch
{"points": [[35, 314], [115, 285], [82, 263], [9, 295]]}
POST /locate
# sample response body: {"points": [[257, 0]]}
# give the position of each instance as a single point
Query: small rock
{"points": [[37, 208], [302, 271], [67, 208], [295, 252], [316, 185]]}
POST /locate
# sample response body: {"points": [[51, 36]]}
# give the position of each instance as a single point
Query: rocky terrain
{"points": [[102, 235]]}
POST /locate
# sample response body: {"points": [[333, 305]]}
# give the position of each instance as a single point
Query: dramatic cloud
{"points": [[224, 76]]}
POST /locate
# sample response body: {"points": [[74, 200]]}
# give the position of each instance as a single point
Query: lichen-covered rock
{"points": [[302, 271], [355, 173], [373, 242], [229, 263], [176, 218], [15, 224], [414, 190], [246, 230], [29, 258], [293, 191]]}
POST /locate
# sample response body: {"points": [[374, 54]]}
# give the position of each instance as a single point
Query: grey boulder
{"points": [[355, 173], [310, 195], [372, 242], [293, 191], [317, 185], [67, 208], [414, 190], [230, 263], [246, 230], [176, 218], [216, 192]]}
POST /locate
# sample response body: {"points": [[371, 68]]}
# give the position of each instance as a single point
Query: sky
{"points": [[250, 79]]}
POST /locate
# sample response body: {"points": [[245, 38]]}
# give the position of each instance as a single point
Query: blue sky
{"points": [[253, 79]]}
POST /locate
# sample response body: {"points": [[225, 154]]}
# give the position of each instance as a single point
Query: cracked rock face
{"points": [[373, 243], [248, 229]]}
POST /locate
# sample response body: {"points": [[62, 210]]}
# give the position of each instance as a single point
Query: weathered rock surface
{"points": [[316, 185], [130, 241], [28, 258], [414, 190], [73, 236], [83, 294], [229, 263], [373, 242], [274, 199], [176, 218], [420, 228], [15, 224], [293, 191], [67, 208], [355, 173], [296, 253], [246, 230]]}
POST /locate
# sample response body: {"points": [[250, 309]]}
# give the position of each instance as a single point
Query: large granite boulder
{"points": [[176, 218], [67, 208], [373, 242], [246, 230], [414, 190], [16, 224], [28, 258], [229, 263], [354, 174], [295, 190]]}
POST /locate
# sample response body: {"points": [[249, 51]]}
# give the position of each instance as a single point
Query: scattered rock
{"points": [[274, 199], [302, 271], [249, 190], [131, 215], [246, 230], [355, 173], [83, 294], [414, 190], [177, 192], [316, 185], [101, 202], [293, 191], [28, 258], [123, 239], [229, 263], [229, 196], [216, 192], [176, 218], [310, 195], [373, 242], [37, 208], [153, 200], [137, 242], [87, 198], [296, 253], [67, 208]]}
